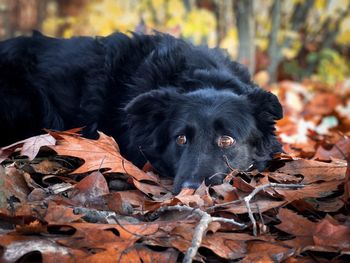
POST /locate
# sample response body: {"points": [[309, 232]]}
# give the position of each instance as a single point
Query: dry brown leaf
{"points": [[338, 151], [258, 206], [133, 197], [227, 245], [313, 190], [60, 214], [259, 251], [150, 189], [331, 233], [297, 225], [322, 104], [12, 186], [150, 256], [29, 147], [125, 231], [91, 187], [225, 193], [314, 171], [97, 154]]}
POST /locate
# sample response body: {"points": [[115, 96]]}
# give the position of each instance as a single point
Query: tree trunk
{"points": [[189, 4], [6, 30], [273, 49], [223, 15], [20, 17], [298, 19], [246, 32]]}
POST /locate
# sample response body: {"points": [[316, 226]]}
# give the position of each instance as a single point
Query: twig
{"points": [[256, 191], [227, 163], [200, 230], [292, 186], [247, 199], [197, 238], [261, 217]]}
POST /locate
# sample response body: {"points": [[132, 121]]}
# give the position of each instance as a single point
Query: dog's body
{"points": [[188, 110]]}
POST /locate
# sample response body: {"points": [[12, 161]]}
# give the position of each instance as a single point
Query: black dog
{"points": [[190, 111]]}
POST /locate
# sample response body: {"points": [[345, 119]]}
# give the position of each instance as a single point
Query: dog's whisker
{"points": [[216, 174], [228, 163], [143, 154]]}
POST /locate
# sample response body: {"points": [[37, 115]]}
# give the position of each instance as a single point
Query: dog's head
{"points": [[203, 134]]}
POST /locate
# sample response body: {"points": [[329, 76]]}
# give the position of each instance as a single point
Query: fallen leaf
{"points": [[257, 206], [331, 233], [338, 151], [313, 190], [314, 171], [13, 187], [298, 226], [60, 214], [91, 187], [259, 251], [97, 154], [28, 147], [322, 104]]}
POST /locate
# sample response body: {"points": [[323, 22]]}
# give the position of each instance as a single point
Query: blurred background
{"points": [[299, 49]]}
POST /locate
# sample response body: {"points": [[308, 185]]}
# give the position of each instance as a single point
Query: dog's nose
{"points": [[190, 184]]}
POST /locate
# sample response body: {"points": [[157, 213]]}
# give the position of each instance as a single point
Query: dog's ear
{"points": [[266, 107], [154, 104], [147, 118]]}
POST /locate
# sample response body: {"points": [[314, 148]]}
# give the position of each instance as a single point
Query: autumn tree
{"points": [[246, 32], [288, 39], [20, 16]]}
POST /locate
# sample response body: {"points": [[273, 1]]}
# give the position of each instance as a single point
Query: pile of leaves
{"points": [[70, 199]]}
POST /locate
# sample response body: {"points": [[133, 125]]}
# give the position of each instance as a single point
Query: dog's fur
{"points": [[144, 91]]}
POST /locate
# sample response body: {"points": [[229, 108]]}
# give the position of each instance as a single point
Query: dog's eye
{"points": [[181, 139], [226, 141]]}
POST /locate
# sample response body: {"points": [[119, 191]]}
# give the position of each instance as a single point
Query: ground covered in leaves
{"points": [[64, 198]]}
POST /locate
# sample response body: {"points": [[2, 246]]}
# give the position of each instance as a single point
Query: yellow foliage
{"points": [[332, 68], [344, 35], [344, 38], [291, 52], [199, 25], [298, 1], [102, 17], [50, 26], [320, 4], [262, 43], [230, 42], [178, 14]]}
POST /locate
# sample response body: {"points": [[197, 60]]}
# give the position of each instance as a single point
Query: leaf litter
{"points": [[70, 199]]}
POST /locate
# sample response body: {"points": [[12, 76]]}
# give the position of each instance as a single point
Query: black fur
{"points": [[144, 91]]}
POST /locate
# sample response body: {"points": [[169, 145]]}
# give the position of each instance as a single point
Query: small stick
{"points": [[272, 185], [256, 191], [200, 229]]}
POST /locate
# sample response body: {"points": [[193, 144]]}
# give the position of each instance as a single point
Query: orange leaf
{"points": [[91, 187], [98, 154], [331, 233], [60, 214], [314, 171]]}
